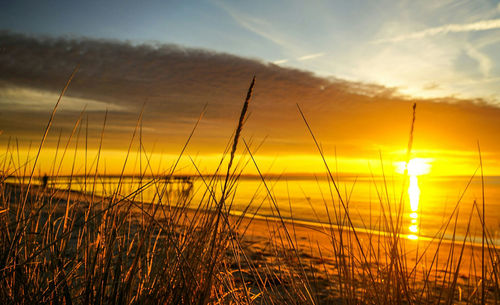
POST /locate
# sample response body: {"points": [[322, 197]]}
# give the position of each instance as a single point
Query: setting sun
{"points": [[416, 167]]}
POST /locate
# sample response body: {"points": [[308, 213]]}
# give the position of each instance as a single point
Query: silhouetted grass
{"points": [[59, 246]]}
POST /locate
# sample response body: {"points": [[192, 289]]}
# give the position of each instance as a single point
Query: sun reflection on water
{"points": [[415, 168]]}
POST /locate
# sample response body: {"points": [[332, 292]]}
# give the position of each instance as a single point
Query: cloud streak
{"points": [[258, 26], [483, 25], [310, 56], [301, 58]]}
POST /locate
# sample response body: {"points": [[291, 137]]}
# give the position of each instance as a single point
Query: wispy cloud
{"points": [[446, 29], [258, 26], [485, 64], [301, 58], [281, 61], [25, 98], [310, 56]]}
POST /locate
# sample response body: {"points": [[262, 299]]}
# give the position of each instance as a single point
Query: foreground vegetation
{"points": [[63, 247]]}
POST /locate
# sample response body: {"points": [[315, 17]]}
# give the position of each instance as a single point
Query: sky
{"points": [[425, 48], [354, 67]]}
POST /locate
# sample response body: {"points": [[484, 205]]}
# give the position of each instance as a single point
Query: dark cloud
{"points": [[176, 82]]}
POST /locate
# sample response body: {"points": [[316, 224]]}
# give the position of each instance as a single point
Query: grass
{"points": [[59, 246]]}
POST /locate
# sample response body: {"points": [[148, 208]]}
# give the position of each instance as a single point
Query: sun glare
{"points": [[415, 167], [414, 193]]}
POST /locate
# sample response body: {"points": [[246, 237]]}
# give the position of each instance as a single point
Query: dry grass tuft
{"points": [[59, 246]]}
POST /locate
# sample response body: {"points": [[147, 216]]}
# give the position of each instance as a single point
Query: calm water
{"points": [[369, 200]]}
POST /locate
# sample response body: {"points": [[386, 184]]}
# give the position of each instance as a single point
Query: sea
{"points": [[422, 207]]}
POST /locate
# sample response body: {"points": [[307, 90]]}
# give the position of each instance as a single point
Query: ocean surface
{"points": [[423, 206]]}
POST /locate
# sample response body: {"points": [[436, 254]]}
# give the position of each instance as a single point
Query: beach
{"points": [[282, 259]]}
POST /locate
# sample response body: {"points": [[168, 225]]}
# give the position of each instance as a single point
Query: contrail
{"points": [[445, 29]]}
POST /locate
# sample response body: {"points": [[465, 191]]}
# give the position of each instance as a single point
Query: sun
{"points": [[416, 167]]}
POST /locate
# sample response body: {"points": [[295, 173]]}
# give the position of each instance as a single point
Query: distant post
{"points": [[45, 180]]}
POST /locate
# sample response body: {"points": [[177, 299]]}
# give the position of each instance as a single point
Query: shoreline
{"points": [[255, 228], [285, 244], [309, 224]]}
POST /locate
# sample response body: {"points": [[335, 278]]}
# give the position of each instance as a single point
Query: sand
{"points": [[274, 244]]}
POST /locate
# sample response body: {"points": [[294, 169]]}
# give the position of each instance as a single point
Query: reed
{"points": [[61, 246]]}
